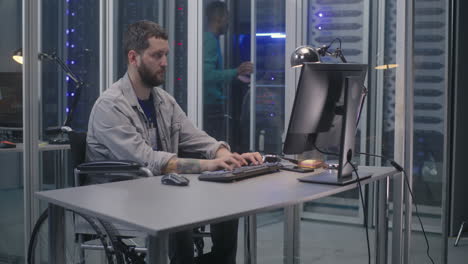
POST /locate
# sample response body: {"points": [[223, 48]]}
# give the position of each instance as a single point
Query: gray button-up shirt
{"points": [[117, 129]]}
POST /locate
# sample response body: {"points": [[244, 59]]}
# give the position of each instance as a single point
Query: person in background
{"points": [[215, 77]]}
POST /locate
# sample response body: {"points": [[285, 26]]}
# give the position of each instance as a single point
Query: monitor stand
{"points": [[330, 177]]}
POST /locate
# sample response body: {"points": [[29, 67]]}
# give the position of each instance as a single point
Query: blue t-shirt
{"points": [[150, 113]]}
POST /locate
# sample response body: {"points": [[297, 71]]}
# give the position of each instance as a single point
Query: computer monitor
{"points": [[324, 117]]}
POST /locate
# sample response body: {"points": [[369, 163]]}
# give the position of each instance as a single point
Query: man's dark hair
{"points": [[214, 10], [137, 35]]}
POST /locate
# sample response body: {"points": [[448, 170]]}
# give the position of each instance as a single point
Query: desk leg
{"points": [[292, 225], [158, 248], [397, 222], [250, 239], [381, 229], [56, 234]]}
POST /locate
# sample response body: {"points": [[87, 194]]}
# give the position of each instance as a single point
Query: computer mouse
{"points": [[174, 179], [7, 144]]}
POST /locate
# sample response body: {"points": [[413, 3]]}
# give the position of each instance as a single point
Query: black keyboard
{"points": [[239, 173]]}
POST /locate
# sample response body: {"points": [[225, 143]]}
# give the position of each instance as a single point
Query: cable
{"points": [[399, 168], [338, 53], [333, 41], [364, 208], [419, 218]]}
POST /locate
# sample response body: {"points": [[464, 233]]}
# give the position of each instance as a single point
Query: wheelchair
{"points": [[85, 235]]}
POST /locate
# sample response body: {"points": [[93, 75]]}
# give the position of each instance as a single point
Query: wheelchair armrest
{"points": [[109, 165]]}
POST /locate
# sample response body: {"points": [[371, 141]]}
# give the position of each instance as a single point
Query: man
{"points": [[135, 120], [215, 77]]}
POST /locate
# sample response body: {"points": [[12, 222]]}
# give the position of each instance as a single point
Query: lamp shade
{"points": [[18, 56], [304, 54]]}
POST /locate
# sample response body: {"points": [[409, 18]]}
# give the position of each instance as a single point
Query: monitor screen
{"points": [[325, 112], [11, 99]]}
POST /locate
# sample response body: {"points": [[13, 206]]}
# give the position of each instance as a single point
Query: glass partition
{"points": [[270, 75], [431, 29], [69, 54], [226, 46], [69, 36], [228, 63], [344, 25], [269, 108], [11, 127], [431, 42], [240, 38], [348, 21], [69, 31]]}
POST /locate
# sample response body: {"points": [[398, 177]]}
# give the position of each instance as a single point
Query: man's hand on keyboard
{"points": [[228, 161], [254, 158]]}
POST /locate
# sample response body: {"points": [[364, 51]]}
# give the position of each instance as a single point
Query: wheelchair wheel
{"points": [[84, 246], [129, 249]]}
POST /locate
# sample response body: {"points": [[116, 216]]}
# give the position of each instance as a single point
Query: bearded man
{"points": [[137, 120]]}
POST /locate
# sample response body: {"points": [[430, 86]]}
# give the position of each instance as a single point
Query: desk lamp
{"points": [[61, 137], [309, 54]]}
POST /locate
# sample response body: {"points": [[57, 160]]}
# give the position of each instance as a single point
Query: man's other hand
{"points": [[246, 68], [253, 158]]}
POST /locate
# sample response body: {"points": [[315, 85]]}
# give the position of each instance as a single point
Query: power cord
{"points": [[400, 169], [364, 208]]}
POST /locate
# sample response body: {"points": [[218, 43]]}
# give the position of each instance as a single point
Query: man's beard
{"points": [[147, 77]]}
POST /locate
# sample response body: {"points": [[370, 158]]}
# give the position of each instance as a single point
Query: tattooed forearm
{"points": [[188, 166], [171, 166], [183, 166]]}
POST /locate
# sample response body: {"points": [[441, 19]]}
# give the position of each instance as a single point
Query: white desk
{"points": [[157, 209], [42, 147]]}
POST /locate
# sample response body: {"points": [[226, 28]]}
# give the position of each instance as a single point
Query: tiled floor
{"points": [[328, 243]]}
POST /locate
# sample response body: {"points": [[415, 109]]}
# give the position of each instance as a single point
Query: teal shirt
{"points": [[214, 76]]}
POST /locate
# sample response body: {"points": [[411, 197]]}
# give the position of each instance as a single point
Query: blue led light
{"points": [[72, 94], [271, 35], [319, 27], [67, 79], [72, 46], [67, 110], [67, 31], [72, 62], [73, 14], [67, 44], [320, 14], [72, 30]]}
